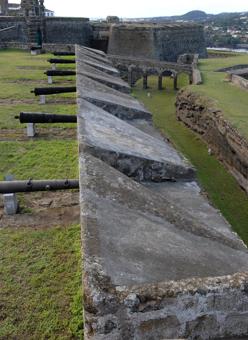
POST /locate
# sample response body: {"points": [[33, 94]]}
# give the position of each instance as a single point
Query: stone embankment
{"points": [[200, 114], [159, 261]]}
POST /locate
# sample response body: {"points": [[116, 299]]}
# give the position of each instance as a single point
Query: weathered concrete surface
{"points": [[145, 276], [91, 55], [115, 102], [135, 238], [225, 141], [128, 149], [186, 198], [98, 65], [102, 77]]}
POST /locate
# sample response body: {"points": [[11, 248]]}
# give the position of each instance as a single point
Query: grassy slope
{"points": [[230, 98], [40, 270], [221, 187]]}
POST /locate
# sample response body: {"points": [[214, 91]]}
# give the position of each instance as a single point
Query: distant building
{"points": [[49, 13], [3, 7], [26, 7], [14, 9], [111, 19]]}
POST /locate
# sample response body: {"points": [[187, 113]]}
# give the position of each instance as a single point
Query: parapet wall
{"points": [[17, 34], [57, 30], [159, 261], [68, 31], [225, 141], [161, 42]]}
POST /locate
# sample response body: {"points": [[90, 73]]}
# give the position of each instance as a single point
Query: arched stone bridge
{"points": [[135, 69]]}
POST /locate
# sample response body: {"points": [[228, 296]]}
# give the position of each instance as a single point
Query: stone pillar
{"points": [[10, 204], [191, 78], [31, 130], [130, 77], [42, 99], [160, 82], [175, 83], [145, 81]]}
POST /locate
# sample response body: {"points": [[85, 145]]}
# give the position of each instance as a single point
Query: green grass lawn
{"points": [[56, 159], [40, 269], [40, 284], [221, 187], [19, 74], [232, 100]]}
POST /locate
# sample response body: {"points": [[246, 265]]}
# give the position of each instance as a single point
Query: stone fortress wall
{"points": [[58, 30], [16, 35], [161, 42], [159, 261]]}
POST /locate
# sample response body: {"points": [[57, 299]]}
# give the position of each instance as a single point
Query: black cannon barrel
{"points": [[35, 48], [30, 117], [53, 90], [61, 61], [11, 187], [60, 73], [63, 53]]}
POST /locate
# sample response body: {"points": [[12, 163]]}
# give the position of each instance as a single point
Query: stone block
{"points": [[167, 327], [31, 130], [128, 149], [50, 80], [10, 204], [236, 323], [42, 99]]}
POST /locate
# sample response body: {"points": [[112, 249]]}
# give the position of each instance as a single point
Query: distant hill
{"points": [[197, 16]]}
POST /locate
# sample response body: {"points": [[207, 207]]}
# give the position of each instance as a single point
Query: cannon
{"points": [[61, 61], [35, 48], [58, 73], [42, 91], [11, 187], [28, 117], [57, 54]]}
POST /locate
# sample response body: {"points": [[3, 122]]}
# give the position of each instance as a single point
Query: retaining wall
{"points": [[239, 81], [225, 141]]}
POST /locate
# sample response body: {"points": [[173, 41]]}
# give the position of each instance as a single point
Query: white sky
{"points": [[140, 8]]}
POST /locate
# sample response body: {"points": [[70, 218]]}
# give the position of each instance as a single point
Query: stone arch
{"points": [[189, 74]]}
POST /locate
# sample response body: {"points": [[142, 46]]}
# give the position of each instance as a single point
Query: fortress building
{"points": [[3, 7], [150, 41]]}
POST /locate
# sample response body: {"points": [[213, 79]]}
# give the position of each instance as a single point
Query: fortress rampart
{"points": [[159, 261], [160, 42]]}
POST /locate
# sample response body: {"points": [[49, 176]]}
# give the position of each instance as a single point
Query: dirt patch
{"points": [[40, 82], [44, 209], [10, 101], [30, 67], [8, 135], [53, 100]]}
